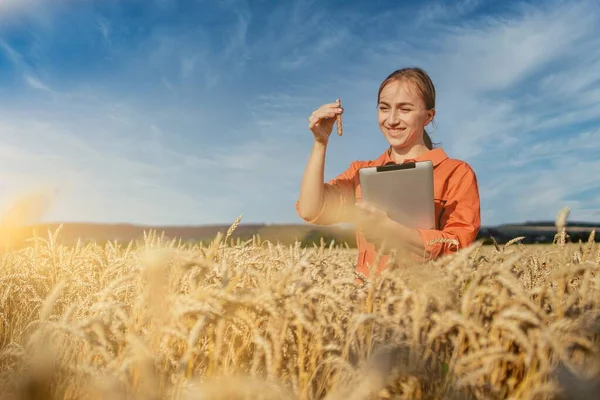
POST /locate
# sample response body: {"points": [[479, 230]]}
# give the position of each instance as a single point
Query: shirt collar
{"points": [[436, 156]]}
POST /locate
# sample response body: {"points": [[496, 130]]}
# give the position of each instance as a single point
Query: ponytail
{"points": [[427, 140]]}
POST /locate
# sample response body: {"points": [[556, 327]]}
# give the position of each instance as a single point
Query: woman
{"points": [[406, 105]]}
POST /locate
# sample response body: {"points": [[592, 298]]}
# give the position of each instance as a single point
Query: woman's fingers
{"points": [[326, 113], [316, 118], [321, 120]]}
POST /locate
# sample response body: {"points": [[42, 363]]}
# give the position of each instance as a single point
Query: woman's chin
{"points": [[397, 141]]}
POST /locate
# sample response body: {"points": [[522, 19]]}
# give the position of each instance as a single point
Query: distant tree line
{"points": [[487, 235], [532, 236]]}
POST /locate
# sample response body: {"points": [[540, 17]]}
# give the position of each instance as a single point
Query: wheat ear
{"points": [[340, 129]]}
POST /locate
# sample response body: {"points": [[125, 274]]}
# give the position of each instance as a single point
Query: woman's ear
{"points": [[430, 115]]}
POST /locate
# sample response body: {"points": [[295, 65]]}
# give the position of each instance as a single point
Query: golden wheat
{"points": [[340, 129], [158, 319]]}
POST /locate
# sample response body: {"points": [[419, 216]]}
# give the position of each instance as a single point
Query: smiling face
{"points": [[402, 114]]}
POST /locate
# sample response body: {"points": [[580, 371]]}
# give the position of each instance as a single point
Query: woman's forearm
{"points": [[311, 189]]}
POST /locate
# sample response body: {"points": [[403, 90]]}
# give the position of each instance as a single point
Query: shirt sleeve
{"points": [[460, 220], [338, 199]]}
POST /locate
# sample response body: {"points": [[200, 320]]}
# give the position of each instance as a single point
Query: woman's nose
{"points": [[394, 118]]}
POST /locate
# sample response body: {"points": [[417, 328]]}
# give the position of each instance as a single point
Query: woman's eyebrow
{"points": [[404, 103]]}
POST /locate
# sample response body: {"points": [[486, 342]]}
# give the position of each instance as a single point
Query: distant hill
{"points": [[284, 234], [534, 232]]}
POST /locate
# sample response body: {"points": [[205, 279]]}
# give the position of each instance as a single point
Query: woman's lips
{"points": [[394, 132]]}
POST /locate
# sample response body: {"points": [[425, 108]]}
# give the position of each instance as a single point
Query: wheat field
{"points": [[230, 320]]}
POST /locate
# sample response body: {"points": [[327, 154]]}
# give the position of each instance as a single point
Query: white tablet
{"points": [[404, 191]]}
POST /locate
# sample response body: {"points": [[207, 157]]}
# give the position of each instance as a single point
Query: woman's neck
{"points": [[399, 155]]}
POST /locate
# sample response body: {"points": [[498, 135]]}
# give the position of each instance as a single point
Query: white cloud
{"points": [[438, 11], [235, 45], [538, 194], [8, 7], [302, 35], [23, 68], [575, 80], [495, 53], [12, 55], [36, 83], [104, 27], [38, 12], [586, 142]]}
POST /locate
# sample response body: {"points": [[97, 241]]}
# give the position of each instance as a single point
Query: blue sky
{"points": [[194, 112]]}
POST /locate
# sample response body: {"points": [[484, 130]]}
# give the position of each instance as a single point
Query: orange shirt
{"points": [[456, 198]]}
